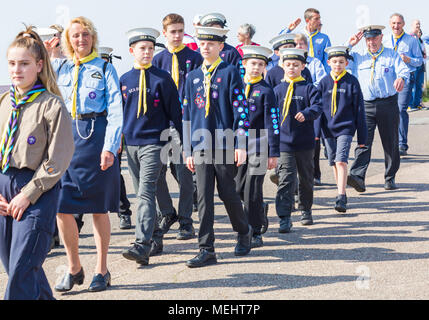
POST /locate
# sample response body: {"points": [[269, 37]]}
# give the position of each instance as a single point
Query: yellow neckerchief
{"points": [[289, 95], [175, 63], [374, 59], [310, 42], [77, 62], [142, 87], [207, 81], [334, 91], [249, 83], [397, 39]]}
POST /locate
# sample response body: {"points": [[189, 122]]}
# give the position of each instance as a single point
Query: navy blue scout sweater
{"points": [[350, 116], [294, 135], [163, 106], [263, 114], [227, 107], [277, 74], [188, 60]]}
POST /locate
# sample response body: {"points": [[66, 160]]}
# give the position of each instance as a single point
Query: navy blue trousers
{"points": [[25, 244]]}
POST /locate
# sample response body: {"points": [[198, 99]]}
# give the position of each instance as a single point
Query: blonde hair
{"points": [[301, 37], [30, 40], [65, 41]]}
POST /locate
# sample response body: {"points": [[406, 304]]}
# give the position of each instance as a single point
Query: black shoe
{"points": [[204, 258], [390, 185], [285, 225], [257, 241], [124, 222], [195, 207], [137, 253], [341, 203], [266, 222], [55, 243], [274, 177], [69, 281], [317, 182], [306, 218], [357, 183], [186, 232], [167, 221], [403, 152], [100, 282], [244, 243], [156, 248]]}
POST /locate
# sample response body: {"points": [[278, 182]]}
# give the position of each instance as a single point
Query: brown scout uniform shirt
{"points": [[43, 142]]}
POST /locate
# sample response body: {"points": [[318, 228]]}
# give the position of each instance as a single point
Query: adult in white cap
{"points": [[263, 148], [151, 102], [409, 49], [382, 75], [229, 54], [215, 104]]}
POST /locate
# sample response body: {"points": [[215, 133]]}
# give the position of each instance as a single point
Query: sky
{"points": [[113, 18]]}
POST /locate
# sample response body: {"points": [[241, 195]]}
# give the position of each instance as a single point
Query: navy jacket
{"points": [[228, 109], [263, 114], [163, 106], [276, 75], [188, 60], [350, 116], [294, 135]]}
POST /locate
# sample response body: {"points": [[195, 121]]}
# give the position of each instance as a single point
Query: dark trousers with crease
{"points": [[223, 174], [384, 115]]}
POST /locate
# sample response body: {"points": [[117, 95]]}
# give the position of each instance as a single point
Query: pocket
{"points": [[94, 84]]}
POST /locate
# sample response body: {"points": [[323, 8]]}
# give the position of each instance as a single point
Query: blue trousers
{"points": [[404, 100], [417, 92], [25, 244]]}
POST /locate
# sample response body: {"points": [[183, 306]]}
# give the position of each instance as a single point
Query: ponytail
{"points": [[30, 40]]}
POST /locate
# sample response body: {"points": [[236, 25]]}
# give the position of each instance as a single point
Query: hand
{"points": [[294, 24], [107, 160], [190, 164], [361, 145], [317, 138], [272, 163], [3, 206], [405, 58], [17, 206], [240, 156], [399, 84], [300, 117], [356, 38]]}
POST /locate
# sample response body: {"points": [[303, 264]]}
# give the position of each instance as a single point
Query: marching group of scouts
{"points": [[197, 98]]}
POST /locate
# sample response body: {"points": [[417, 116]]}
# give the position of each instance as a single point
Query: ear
{"points": [[329, 62], [40, 66], [347, 62], [222, 45], [131, 50]]}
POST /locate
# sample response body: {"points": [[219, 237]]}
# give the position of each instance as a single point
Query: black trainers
{"points": [[257, 241], [306, 218], [167, 221], [137, 253], [357, 183], [266, 222], [274, 177], [186, 232], [124, 222], [285, 225], [390, 185], [156, 248], [244, 243], [341, 203], [204, 258]]}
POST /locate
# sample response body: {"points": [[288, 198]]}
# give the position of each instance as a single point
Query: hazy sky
{"points": [[113, 18]]}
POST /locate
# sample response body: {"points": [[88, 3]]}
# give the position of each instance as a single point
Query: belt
{"points": [[382, 99], [91, 115]]}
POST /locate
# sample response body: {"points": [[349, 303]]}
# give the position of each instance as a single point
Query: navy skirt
{"points": [[85, 188]]}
